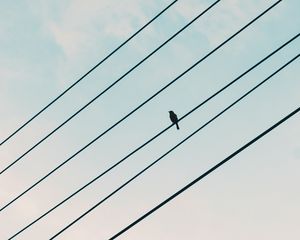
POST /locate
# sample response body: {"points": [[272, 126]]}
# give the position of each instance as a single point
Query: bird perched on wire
{"points": [[174, 118]]}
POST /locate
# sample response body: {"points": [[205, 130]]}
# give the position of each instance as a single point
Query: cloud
{"points": [[82, 31], [79, 25], [222, 19], [190, 9]]}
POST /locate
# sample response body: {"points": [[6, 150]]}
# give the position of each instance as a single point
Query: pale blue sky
{"points": [[46, 45]]}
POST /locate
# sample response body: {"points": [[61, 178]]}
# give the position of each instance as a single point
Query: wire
{"points": [[162, 89], [150, 140], [172, 149], [205, 174], [86, 74], [100, 94]]}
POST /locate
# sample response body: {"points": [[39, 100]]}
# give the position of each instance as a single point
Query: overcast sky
{"points": [[47, 45]]}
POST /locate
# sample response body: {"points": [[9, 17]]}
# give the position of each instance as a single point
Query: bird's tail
{"points": [[177, 126]]}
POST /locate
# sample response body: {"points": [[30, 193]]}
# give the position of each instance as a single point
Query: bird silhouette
{"points": [[174, 118]]}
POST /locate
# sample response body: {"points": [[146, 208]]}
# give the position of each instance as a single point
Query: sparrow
{"points": [[174, 118]]}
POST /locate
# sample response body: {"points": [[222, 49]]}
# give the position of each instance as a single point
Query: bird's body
{"points": [[174, 118]]}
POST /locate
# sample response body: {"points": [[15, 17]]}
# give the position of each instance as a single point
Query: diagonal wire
{"points": [[162, 89], [172, 149], [86, 74], [151, 139], [104, 91]]}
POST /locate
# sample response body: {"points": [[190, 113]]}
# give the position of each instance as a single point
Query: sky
{"points": [[47, 45]]}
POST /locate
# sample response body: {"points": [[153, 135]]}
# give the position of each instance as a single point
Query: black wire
{"points": [[86, 74], [172, 149], [150, 140], [205, 174], [162, 89], [100, 94]]}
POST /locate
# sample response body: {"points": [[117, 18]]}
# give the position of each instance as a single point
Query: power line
{"points": [[172, 149], [150, 140], [162, 89], [204, 174], [86, 74], [104, 91]]}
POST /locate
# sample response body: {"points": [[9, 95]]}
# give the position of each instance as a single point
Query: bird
{"points": [[174, 118]]}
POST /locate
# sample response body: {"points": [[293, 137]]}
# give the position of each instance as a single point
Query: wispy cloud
{"points": [[80, 30], [80, 24], [222, 19]]}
